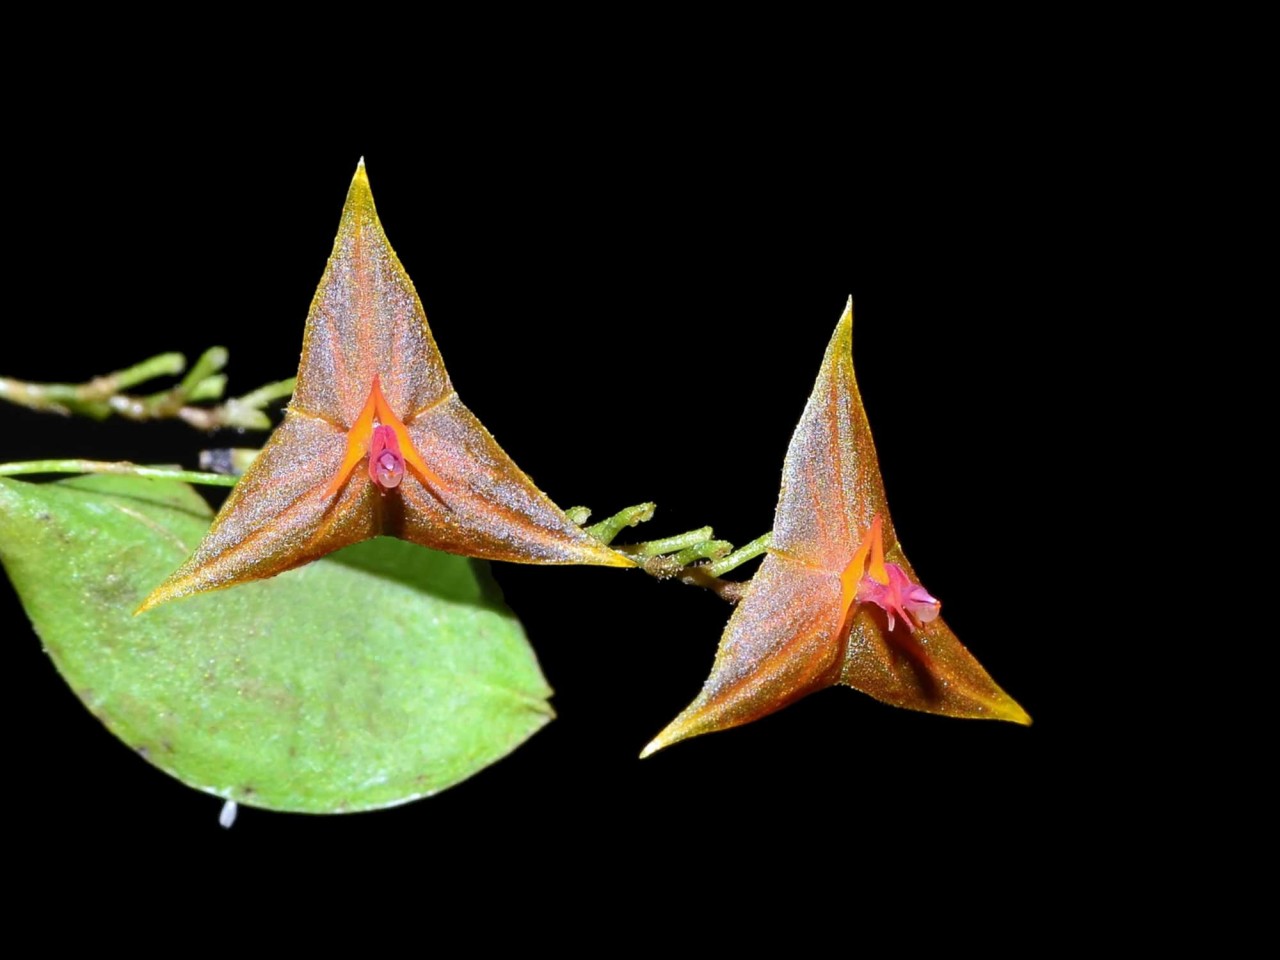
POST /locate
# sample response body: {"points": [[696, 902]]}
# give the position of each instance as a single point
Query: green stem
{"points": [[706, 550], [99, 388], [242, 412], [280, 390], [210, 362], [90, 397], [119, 467], [681, 541], [103, 396], [676, 557], [606, 530], [681, 565], [210, 388], [747, 551]]}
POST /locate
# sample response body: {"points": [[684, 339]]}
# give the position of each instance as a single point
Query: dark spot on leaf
{"points": [[293, 751], [44, 516], [168, 747], [247, 792], [114, 590], [144, 753]]}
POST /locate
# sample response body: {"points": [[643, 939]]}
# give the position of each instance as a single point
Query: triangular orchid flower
{"points": [[376, 441], [835, 600]]}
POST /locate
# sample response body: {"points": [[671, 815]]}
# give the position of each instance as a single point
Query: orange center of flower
{"points": [[377, 427], [872, 549]]}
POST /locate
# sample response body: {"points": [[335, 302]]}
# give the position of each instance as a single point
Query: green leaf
{"points": [[381, 674]]}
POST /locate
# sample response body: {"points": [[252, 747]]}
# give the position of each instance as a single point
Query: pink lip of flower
{"points": [[868, 579], [899, 596], [386, 462]]}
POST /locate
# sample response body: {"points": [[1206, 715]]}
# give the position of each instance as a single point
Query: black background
{"points": [[636, 310]]}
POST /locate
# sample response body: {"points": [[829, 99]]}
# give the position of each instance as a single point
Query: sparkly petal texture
{"points": [[372, 383], [835, 600]]}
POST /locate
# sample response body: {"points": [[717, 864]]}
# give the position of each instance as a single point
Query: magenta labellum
{"points": [[386, 462]]}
